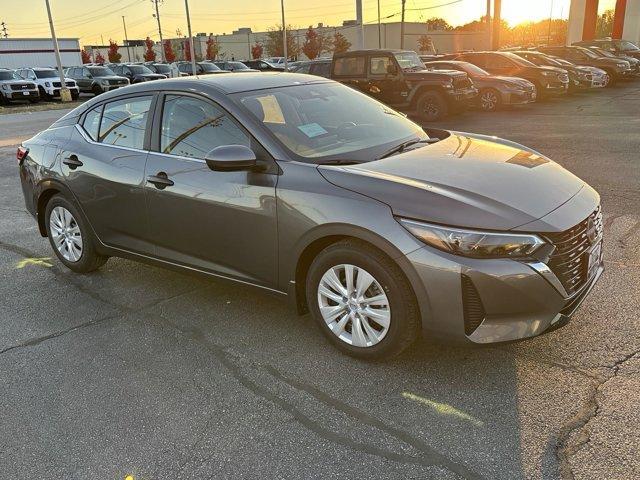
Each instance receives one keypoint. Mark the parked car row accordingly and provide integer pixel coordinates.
(433, 86)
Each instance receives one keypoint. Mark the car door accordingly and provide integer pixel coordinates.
(103, 165)
(385, 80)
(499, 65)
(83, 78)
(222, 222)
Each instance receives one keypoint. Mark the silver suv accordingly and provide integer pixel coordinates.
(12, 87)
(48, 82)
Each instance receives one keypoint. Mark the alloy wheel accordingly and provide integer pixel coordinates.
(431, 110)
(66, 234)
(489, 101)
(354, 305)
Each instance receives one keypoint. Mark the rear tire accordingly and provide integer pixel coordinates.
(70, 236)
(431, 106)
(388, 299)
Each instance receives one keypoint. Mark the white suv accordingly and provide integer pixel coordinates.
(48, 82)
(12, 87)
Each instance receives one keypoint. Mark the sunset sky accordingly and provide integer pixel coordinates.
(95, 20)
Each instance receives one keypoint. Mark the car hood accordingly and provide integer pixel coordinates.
(511, 80)
(442, 74)
(152, 76)
(464, 180)
(110, 77)
(18, 82)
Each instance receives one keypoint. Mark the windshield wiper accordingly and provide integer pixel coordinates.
(403, 146)
(338, 161)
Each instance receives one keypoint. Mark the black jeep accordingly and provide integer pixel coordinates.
(400, 79)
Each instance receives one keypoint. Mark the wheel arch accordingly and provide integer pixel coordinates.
(417, 93)
(47, 190)
(321, 238)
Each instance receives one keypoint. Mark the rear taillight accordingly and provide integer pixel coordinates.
(21, 154)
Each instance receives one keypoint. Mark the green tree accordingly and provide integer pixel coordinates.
(604, 24)
(436, 23)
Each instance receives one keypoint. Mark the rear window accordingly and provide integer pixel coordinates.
(349, 66)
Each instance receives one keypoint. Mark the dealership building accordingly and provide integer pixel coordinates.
(38, 52)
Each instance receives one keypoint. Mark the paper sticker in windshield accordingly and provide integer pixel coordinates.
(312, 130)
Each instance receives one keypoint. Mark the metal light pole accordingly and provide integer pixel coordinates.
(194, 69)
(284, 38)
(65, 93)
(488, 19)
(404, 2)
(126, 39)
(359, 27)
(379, 35)
(550, 17)
(159, 31)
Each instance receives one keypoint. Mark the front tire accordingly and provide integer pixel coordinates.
(96, 90)
(70, 236)
(362, 301)
(431, 106)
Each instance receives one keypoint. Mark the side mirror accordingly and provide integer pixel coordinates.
(392, 69)
(228, 158)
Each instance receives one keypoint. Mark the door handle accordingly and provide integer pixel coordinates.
(160, 180)
(72, 162)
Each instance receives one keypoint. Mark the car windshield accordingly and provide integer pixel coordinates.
(101, 71)
(519, 60)
(409, 61)
(588, 52)
(604, 53)
(329, 121)
(473, 70)
(238, 66)
(628, 46)
(139, 69)
(162, 68)
(209, 67)
(8, 75)
(46, 73)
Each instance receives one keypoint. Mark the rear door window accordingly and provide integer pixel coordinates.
(349, 67)
(379, 65)
(124, 122)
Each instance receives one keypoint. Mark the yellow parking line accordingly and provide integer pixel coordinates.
(43, 262)
(443, 408)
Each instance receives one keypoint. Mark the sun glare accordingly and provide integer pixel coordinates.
(518, 11)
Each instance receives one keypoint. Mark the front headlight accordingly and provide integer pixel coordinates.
(104, 82)
(549, 74)
(474, 243)
(47, 84)
(447, 85)
(5, 86)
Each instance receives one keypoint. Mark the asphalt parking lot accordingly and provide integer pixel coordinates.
(134, 370)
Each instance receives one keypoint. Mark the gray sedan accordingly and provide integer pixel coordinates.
(306, 188)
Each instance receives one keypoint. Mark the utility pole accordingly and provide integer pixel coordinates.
(404, 2)
(359, 27)
(126, 39)
(379, 34)
(284, 38)
(249, 45)
(550, 17)
(65, 93)
(4, 30)
(497, 23)
(194, 69)
(488, 20)
(159, 29)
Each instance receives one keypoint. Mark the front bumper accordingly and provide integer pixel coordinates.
(463, 96)
(517, 300)
(519, 97)
(557, 87)
(55, 91)
(21, 94)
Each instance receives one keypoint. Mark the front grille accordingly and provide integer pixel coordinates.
(461, 82)
(473, 309)
(570, 260)
(21, 86)
(70, 84)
